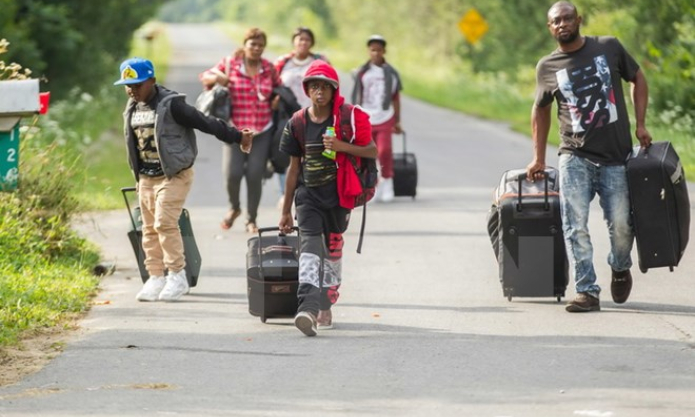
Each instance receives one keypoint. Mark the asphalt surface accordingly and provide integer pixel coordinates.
(421, 328)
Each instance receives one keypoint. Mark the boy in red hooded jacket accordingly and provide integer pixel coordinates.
(323, 189)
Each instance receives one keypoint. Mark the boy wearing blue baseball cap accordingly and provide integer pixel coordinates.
(161, 157)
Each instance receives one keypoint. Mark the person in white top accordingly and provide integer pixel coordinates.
(377, 90)
(292, 67)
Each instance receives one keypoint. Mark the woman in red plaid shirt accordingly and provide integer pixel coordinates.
(251, 80)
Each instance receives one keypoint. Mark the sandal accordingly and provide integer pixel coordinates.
(251, 227)
(228, 220)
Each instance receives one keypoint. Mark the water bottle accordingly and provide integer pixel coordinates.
(330, 154)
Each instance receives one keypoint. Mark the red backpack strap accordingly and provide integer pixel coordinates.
(346, 122)
(282, 61)
(298, 125)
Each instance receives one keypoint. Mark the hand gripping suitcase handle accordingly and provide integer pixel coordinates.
(125, 191)
(274, 229)
(520, 179)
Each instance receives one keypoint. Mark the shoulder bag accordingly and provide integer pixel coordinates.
(216, 101)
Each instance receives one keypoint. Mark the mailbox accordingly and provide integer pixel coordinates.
(18, 98)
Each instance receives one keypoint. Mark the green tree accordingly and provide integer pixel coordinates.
(72, 43)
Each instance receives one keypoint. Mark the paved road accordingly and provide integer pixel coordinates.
(422, 328)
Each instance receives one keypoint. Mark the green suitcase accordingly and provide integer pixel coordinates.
(190, 248)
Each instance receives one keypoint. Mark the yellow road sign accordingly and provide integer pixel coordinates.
(473, 26)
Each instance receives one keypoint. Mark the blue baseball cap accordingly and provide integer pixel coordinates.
(135, 70)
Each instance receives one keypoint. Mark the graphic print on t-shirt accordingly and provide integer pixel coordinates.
(142, 122)
(589, 94)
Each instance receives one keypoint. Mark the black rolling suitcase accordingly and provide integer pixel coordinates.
(660, 205)
(191, 252)
(404, 172)
(531, 249)
(272, 273)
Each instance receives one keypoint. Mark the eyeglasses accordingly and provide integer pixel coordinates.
(319, 86)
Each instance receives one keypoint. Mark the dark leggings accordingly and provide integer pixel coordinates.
(236, 164)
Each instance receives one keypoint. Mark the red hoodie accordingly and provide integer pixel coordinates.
(349, 185)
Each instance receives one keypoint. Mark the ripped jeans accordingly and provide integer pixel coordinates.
(580, 181)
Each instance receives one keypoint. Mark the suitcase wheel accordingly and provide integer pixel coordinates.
(559, 298)
(644, 270)
(263, 319)
(509, 297)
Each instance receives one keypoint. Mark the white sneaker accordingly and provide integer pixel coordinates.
(387, 194)
(151, 289)
(176, 286)
(306, 323)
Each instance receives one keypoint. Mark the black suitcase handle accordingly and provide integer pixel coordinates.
(260, 251)
(260, 246)
(125, 191)
(546, 205)
(405, 150)
(274, 229)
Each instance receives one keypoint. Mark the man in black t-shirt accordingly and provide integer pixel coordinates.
(583, 75)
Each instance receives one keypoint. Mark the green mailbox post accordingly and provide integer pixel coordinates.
(9, 163)
(18, 98)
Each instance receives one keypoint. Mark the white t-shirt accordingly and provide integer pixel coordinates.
(292, 75)
(373, 93)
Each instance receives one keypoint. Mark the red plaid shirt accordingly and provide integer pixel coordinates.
(250, 95)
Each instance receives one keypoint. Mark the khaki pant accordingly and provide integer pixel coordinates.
(161, 202)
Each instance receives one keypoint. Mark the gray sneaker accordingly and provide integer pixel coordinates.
(583, 303)
(176, 286)
(306, 323)
(151, 290)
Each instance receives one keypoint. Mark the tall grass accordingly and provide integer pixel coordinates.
(44, 266)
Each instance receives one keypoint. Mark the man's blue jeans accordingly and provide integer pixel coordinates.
(580, 181)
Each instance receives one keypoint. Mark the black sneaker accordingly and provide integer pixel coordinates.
(621, 285)
(582, 303)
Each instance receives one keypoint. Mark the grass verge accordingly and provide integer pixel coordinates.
(44, 265)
